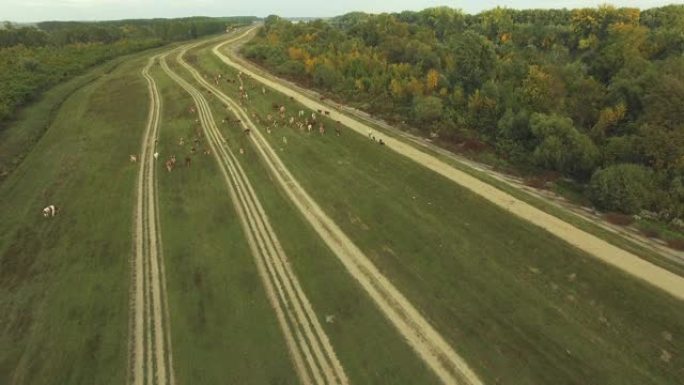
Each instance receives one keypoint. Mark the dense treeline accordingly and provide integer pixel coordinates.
(592, 94)
(35, 58)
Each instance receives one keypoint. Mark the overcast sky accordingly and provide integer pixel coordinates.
(38, 10)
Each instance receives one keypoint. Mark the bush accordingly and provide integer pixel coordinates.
(536, 182)
(677, 244)
(619, 219)
(622, 149)
(427, 108)
(264, 53)
(561, 146)
(326, 76)
(626, 188)
(650, 233)
(291, 68)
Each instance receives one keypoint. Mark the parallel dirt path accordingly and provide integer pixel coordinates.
(313, 355)
(150, 360)
(591, 244)
(421, 336)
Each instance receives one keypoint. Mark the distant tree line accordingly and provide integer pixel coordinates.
(35, 58)
(595, 95)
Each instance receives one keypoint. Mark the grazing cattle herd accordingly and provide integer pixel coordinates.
(300, 120)
(304, 121)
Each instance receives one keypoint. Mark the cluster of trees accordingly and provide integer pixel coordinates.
(593, 94)
(35, 58)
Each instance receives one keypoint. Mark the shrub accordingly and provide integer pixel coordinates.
(677, 244)
(619, 219)
(291, 68)
(650, 232)
(536, 182)
(626, 188)
(561, 146)
(427, 108)
(326, 76)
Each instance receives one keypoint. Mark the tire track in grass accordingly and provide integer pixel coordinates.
(309, 347)
(421, 336)
(150, 357)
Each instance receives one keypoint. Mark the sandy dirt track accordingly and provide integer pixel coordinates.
(591, 244)
(420, 335)
(313, 356)
(150, 358)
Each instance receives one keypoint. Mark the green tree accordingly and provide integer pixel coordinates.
(627, 188)
(482, 113)
(475, 59)
(561, 146)
(326, 76)
(427, 108)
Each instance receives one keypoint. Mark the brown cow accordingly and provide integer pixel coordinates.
(170, 163)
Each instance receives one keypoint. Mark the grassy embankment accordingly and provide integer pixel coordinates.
(64, 281)
(519, 304)
(18, 136)
(368, 347)
(222, 326)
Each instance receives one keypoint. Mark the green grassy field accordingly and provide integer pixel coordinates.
(575, 220)
(368, 347)
(522, 306)
(17, 138)
(223, 329)
(64, 281)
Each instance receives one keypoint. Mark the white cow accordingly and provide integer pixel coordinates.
(49, 211)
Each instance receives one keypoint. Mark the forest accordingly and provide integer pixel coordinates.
(592, 96)
(33, 59)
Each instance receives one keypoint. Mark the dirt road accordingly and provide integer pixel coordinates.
(626, 261)
(421, 336)
(313, 356)
(151, 360)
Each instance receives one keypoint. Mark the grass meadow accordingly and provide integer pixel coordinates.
(369, 348)
(64, 281)
(522, 306)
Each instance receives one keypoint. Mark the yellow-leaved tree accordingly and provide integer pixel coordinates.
(431, 80)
